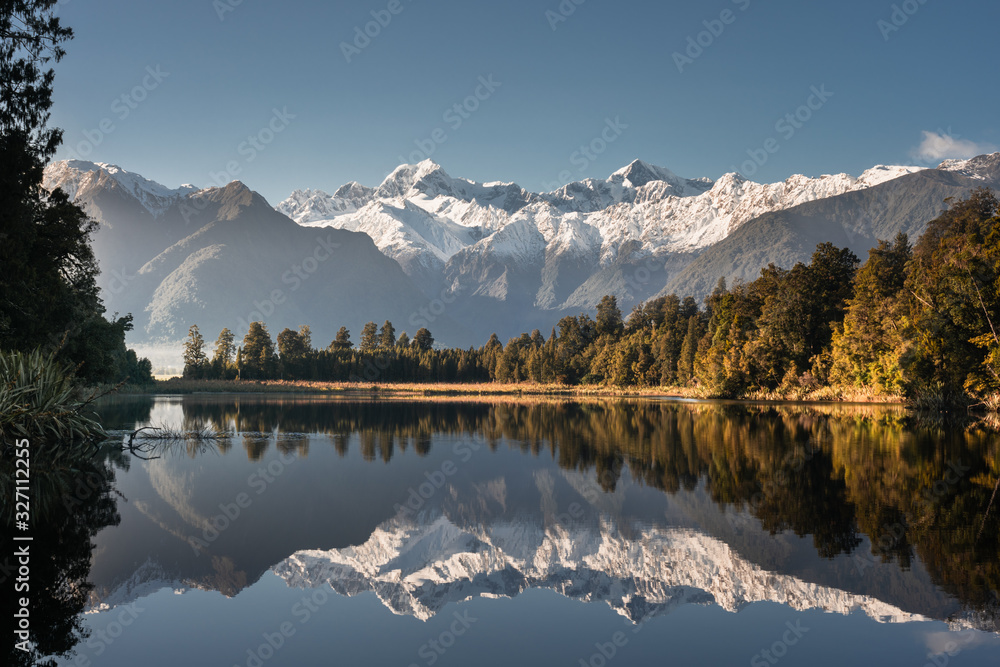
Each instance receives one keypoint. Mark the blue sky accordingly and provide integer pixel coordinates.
(267, 92)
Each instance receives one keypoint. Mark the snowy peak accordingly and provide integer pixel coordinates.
(309, 206)
(453, 232)
(74, 175)
(883, 173)
(352, 191)
(640, 173)
(417, 567)
(427, 178)
(981, 168)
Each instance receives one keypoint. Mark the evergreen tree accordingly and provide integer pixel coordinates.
(195, 361)
(48, 289)
(225, 352)
(953, 301)
(423, 340)
(689, 348)
(403, 341)
(259, 362)
(293, 352)
(609, 317)
(387, 337)
(342, 341)
(305, 333)
(369, 337)
(868, 346)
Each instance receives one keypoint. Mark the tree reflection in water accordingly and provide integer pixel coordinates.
(915, 487)
(68, 507)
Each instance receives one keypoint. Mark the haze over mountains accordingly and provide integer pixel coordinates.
(466, 259)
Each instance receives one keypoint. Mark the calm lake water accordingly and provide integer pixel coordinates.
(502, 532)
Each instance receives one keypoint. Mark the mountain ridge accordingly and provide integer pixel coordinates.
(504, 259)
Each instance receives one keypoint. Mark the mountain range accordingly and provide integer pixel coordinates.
(467, 259)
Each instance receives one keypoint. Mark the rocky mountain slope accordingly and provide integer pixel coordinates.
(223, 257)
(855, 219)
(468, 259)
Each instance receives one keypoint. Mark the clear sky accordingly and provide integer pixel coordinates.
(287, 95)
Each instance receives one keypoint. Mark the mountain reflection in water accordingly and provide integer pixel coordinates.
(671, 502)
(647, 507)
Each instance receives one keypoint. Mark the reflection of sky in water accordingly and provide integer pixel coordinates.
(167, 412)
(325, 509)
(536, 628)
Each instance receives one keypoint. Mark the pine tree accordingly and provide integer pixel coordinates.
(689, 348)
(48, 272)
(195, 361)
(423, 340)
(305, 333)
(259, 362)
(387, 337)
(225, 351)
(342, 341)
(609, 317)
(369, 337)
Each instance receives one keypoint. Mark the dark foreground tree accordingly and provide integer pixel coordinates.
(48, 290)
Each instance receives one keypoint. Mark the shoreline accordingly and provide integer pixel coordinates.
(409, 389)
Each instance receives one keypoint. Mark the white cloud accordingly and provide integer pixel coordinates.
(953, 643)
(936, 147)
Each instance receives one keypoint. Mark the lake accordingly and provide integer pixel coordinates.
(459, 531)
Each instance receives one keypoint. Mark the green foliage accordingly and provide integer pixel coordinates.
(369, 337)
(38, 401)
(342, 341)
(952, 301)
(387, 336)
(48, 290)
(258, 360)
(916, 321)
(609, 317)
(423, 340)
(224, 358)
(866, 349)
(195, 361)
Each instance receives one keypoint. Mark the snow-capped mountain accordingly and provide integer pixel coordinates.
(76, 175)
(422, 217)
(976, 168)
(558, 251)
(222, 257)
(506, 260)
(416, 567)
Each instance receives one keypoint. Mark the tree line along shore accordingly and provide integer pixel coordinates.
(917, 322)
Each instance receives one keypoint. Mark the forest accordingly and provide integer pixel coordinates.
(916, 320)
